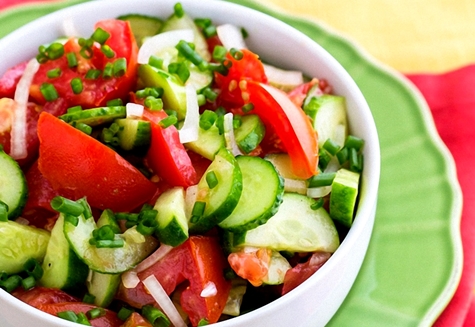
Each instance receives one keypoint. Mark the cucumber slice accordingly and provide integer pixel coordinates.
(250, 134)
(133, 133)
(235, 297)
(296, 227)
(171, 217)
(108, 218)
(220, 200)
(13, 187)
(174, 95)
(61, 266)
(261, 196)
(209, 142)
(95, 116)
(108, 260)
(343, 196)
(328, 113)
(18, 243)
(103, 287)
(142, 25)
(186, 22)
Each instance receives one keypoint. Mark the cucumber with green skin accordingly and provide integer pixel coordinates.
(209, 142)
(250, 134)
(133, 133)
(61, 267)
(220, 200)
(296, 227)
(344, 195)
(261, 196)
(18, 244)
(13, 186)
(103, 287)
(142, 25)
(95, 116)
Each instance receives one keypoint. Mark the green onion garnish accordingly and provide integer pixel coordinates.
(119, 67)
(28, 283)
(96, 313)
(155, 61)
(178, 10)
(76, 85)
(87, 208)
(68, 315)
(82, 319)
(33, 268)
(11, 283)
(180, 69)
(117, 243)
(203, 322)
(100, 35)
(342, 155)
(331, 147)
(322, 179)
(247, 107)
(190, 54)
(53, 73)
(202, 22)
(93, 74)
(317, 204)
(197, 211)
(107, 51)
(3, 211)
(219, 53)
(104, 233)
(207, 119)
(154, 104)
(167, 122)
(211, 179)
(236, 54)
(155, 316)
(147, 225)
(323, 159)
(210, 31)
(73, 220)
(124, 313)
(356, 160)
(67, 206)
(49, 92)
(72, 60)
(54, 50)
(354, 142)
(237, 121)
(108, 70)
(88, 298)
(209, 94)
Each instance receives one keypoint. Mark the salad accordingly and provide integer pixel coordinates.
(160, 173)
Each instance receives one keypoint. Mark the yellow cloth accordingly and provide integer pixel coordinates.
(412, 36)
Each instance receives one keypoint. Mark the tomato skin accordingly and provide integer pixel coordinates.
(110, 318)
(136, 320)
(98, 91)
(299, 94)
(39, 295)
(167, 157)
(252, 266)
(290, 124)
(198, 260)
(86, 167)
(302, 271)
(10, 79)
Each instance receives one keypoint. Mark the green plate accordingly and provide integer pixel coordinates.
(414, 261)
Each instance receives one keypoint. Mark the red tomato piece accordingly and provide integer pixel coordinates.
(110, 318)
(73, 161)
(10, 79)
(252, 266)
(96, 92)
(167, 157)
(302, 271)
(38, 296)
(299, 94)
(136, 320)
(199, 260)
(290, 124)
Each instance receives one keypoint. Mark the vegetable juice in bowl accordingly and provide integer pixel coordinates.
(201, 183)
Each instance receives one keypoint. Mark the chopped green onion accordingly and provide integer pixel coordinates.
(201, 99)
(28, 283)
(68, 315)
(211, 179)
(86, 129)
(88, 298)
(342, 155)
(86, 52)
(3, 276)
(72, 60)
(236, 54)
(54, 51)
(85, 43)
(153, 103)
(210, 31)
(11, 283)
(197, 211)
(107, 51)
(49, 92)
(104, 233)
(124, 313)
(167, 122)
(331, 147)
(155, 316)
(356, 160)
(87, 208)
(180, 69)
(207, 119)
(237, 121)
(119, 67)
(219, 53)
(317, 204)
(3, 211)
(171, 112)
(209, 94)
(178, 10)
(117, 243)
(247, 107)
(155, 61)
(82, 319)
(67, 206)
(73, 220)
(322, 179)
(70, 110)
(41, 58)
(96, 313)
(76, 85)
(108, 70)
(190, 54)
(147, 226)
(222, 68)
(93, 74)
(203, 322)
(100, 35)
(53, 73)
(354, 142)
(323, 159)
(202, 22)
(33, 268)
(115, 102)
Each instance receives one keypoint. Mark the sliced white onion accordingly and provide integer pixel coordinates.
(153, 258)
(191, 194)
(319, 192)
(134, 110)
(163, 300)
(231, 144)
(332, 166)
(22, 221)
(209, 290)
(157, 43)
(130, 279)
(339, 136)
(295, 186)
(231, 36)
(18, 132)
(280, 77)
(189, 130)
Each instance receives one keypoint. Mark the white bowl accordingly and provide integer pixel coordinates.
(315, 301)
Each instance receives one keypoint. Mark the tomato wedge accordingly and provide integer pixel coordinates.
(39, 295)
(86, 167)
(200, 261)
(167, 157)
(290, 124)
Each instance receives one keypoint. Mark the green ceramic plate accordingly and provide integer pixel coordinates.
(414, 260)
